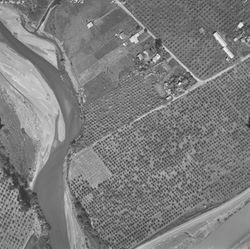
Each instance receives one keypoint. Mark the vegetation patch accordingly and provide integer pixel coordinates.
(99, 87)
(90, 168)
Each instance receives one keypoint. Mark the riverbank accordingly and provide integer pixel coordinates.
(64, 63)
(10, 17)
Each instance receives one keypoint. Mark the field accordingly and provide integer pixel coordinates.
(92, 51)
(169, 165)
(186, 27)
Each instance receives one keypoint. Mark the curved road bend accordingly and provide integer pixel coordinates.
(49, 184)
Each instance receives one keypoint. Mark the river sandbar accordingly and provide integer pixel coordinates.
(25, 80)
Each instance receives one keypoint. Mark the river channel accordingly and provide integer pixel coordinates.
(50, 183)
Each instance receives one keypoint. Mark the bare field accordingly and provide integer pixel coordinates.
(186, 28)
(172, 163)
(95, 52)
(68, 22)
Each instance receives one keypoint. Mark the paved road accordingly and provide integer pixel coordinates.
(184, 227)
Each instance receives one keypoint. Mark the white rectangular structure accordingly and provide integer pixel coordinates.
(240, 25)
(228, 52)
(219, 39)
(156, 58)
(90, 25)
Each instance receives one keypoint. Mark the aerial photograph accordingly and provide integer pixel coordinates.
(124, 124)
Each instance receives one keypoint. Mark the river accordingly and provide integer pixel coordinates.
(49, 185)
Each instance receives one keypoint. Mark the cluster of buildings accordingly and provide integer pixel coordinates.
(146, 59)
(126, 39)
(176, 85)
(148, 56)
(129, 39)
(242, 33)
(170, 85)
